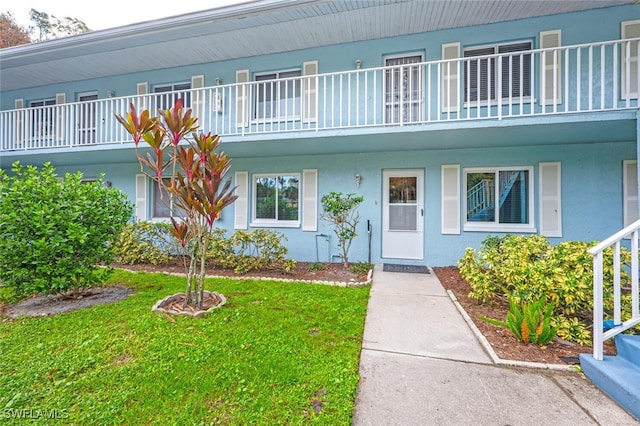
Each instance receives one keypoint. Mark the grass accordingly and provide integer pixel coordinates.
(277, 353)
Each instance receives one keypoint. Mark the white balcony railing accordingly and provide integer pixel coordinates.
(620, 319)
(570, 79)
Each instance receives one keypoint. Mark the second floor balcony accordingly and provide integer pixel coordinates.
(518, 82)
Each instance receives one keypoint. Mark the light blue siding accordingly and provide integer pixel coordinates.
(590, 148)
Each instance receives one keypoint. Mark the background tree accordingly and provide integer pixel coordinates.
(12, 34)
(47, 27)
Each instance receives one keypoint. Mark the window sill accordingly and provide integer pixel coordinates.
(275, 224)
(527, 229)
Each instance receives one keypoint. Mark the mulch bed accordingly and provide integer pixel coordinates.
(502, 340)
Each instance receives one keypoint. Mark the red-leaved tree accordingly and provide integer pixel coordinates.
(192, 176)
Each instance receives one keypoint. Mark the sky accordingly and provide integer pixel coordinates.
(100, 15)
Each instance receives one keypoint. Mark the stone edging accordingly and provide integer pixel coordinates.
(197, 314)
(492, 354)
(331, 283)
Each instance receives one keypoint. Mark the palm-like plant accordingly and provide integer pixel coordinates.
(198, 188)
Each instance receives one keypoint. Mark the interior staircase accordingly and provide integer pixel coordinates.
(618, 376)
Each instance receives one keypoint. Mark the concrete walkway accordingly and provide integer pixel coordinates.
(421, 364)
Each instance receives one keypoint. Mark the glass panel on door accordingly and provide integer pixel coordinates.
(403, 203)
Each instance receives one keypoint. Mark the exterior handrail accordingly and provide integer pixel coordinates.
(618, 326)
(580, 78)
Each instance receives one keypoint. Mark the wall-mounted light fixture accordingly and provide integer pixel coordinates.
(358, 64)
(218, 81)
(111, 93)
(358, 179)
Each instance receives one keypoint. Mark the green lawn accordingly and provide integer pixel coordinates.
(275, 354)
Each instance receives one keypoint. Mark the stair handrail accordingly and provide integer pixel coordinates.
(632, 231)
(476, 197)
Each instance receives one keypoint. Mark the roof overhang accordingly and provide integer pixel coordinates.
(251, 29)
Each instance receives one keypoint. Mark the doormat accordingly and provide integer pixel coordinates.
(411, 269)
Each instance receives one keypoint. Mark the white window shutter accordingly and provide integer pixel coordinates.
(19, 104)
(630, 192)
(197, 99)
(450, 78)
(142, 89)
(550, 200)
(551, 68)
(629, 60)
(141, 197)
(310, 200)
(450, 213)
(242, 203)
(242, 98)
(61, 98)
(310, 90)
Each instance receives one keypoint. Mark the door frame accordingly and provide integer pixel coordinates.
(402, 244)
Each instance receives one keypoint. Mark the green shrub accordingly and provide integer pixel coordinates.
(529, 322)
(316, 266)
(145, 242)
(220, 251)
(528, 268)
(54, 233)
(361, 268)
(247, 251)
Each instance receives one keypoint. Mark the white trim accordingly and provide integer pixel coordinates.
(142, 88)
(242, 92)
(197, 98)
(496, 226)
(550, 189)
(450, 81)
(627, 30)
(403, 243)
(629, 192)
(61, 99)
(275, 223)
(310, 200)
(142, 190)
(450, 203)
(240, 205)
(310, 91)
(549, 70)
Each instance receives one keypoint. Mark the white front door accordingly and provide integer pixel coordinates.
(402, 214)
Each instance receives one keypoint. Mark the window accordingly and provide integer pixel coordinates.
(276, 199)
(170, 94)
(278, 95)
(403, 89)
(499, 199)
(482, 76)
(42, 118)
(162, 201)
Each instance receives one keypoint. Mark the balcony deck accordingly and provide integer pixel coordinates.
(524, 86)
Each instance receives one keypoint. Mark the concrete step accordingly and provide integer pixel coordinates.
(628, 347)
(617, 377)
